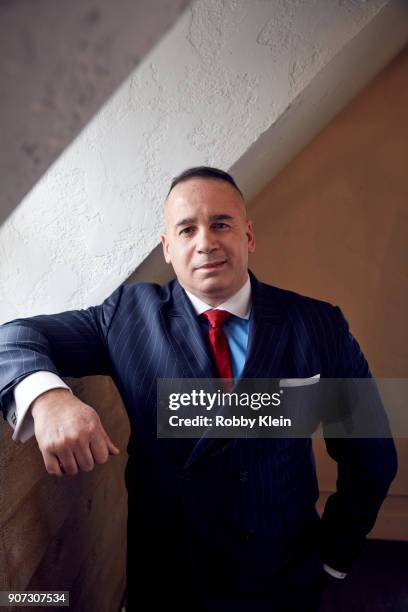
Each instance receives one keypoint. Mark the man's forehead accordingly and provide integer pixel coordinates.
(203, 196)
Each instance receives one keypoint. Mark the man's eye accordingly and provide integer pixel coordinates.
(220, 226)
(187, 230)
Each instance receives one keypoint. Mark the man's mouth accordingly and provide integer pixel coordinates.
(212, 265)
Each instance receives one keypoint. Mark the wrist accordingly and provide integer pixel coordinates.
(43, 400)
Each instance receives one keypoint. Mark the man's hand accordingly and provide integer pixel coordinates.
(69, 433)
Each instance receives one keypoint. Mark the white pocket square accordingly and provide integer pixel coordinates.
(299, 382)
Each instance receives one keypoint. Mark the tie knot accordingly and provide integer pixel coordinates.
(216, 318)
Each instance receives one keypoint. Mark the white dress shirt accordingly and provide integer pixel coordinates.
(239, 304)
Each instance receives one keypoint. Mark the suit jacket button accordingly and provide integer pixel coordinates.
(248, 534)
(243, 476)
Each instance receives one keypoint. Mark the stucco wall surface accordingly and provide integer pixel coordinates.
(59, 62)
(220, 78)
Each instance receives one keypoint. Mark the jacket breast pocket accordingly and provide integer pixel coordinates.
(301, 403)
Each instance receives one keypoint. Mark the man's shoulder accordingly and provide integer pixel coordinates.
(292, 301)
(143, 293)
(145, 299)
(306, 315)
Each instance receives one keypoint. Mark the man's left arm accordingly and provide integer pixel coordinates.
(366, 468)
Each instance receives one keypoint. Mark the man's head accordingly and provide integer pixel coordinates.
(207, 234)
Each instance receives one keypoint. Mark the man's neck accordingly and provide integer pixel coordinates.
(213, 301)
(239, 303)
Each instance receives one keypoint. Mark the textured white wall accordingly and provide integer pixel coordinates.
(219, 79)
(59, 62)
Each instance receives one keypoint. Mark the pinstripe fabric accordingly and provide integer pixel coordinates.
(237, 487)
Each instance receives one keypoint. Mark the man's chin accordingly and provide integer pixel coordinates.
(212, 288)
(212, 279)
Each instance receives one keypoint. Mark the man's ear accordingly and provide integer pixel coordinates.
(165, 245)
(251, 237)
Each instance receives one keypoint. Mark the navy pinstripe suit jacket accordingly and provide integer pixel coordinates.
(239, 509)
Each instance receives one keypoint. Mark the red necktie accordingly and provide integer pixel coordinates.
(218, 343)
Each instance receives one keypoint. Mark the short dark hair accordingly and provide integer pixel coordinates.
(204, 172)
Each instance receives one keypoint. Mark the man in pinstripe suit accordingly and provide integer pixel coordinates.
(213, 525)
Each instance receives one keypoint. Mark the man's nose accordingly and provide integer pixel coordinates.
(206, 241)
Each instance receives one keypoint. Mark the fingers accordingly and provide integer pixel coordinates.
(58, 466)
(84, 458)
(52, 464)
(72, 439)
(113, 450)
(81, 457)
(67, 463)
(99, 449)
(102, 446)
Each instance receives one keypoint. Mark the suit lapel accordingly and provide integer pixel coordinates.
(268, 336)
(267, 342)
(184, 334)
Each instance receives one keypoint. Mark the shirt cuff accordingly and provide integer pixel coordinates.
(333, 572)
(25, 393)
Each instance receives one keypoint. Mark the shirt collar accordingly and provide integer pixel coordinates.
(238, 304)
